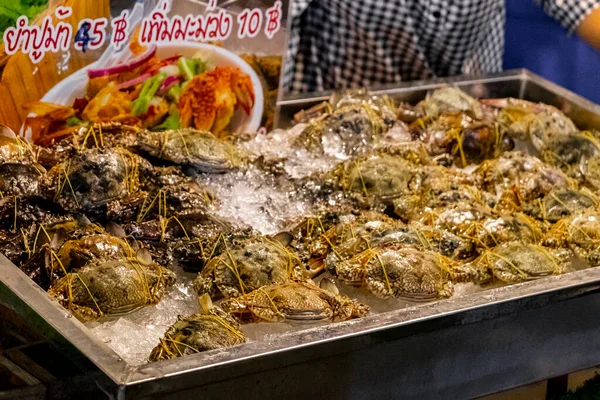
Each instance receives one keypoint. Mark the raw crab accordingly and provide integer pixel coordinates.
(508, 228)
(439, 193)
(380, 179)
(189, 147)
(21, 180)
(210, 99)
(307, 237)
(247, 266)
(194, 253)
(426, 237)
(357, 119)
(518, 262)
(296, 302)
(561, 203)
(538, 123)
(347, 239)
(469, 141)
(208, 330)
(347, 125)
(580, 232)
(462, 218)
(112, 287)
(404, 272)
(578, 155)
(526, 176)
(59, 257)
(95, 177)
(450, 100)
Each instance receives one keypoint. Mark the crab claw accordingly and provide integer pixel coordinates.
(242, 87)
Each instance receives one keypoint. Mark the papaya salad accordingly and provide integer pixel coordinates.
(152, 93)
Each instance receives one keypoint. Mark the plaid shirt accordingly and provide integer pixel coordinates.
(336, 44)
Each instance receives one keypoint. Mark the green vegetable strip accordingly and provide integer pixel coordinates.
(172, 121)
(175, 92)
(187, 68)
(200, 66)
(74, 121)
(151, 86)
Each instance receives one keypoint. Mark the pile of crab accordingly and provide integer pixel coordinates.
(413, 201)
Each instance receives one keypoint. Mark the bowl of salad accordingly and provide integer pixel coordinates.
(162, 87)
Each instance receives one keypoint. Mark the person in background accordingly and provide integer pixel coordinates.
(338, 44)
(537, 42)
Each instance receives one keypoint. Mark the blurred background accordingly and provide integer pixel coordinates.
(538, 43)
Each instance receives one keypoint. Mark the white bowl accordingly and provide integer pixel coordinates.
(73, 87)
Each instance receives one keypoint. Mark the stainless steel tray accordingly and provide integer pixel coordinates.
(463, 347)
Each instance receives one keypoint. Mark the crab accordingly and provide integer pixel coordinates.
(350, 239)
(450, 100)
(508, 228)
(210, 99)
(379, 179)
(22, 180)
(541, 124)
(440, 193)
(113, 287)
(561, 203)
(526, 176)
(59, 257)
(408, 273)
(518, 262)
(170, 197)
(467, 140)
(307, 239)
(461, 219)
(194, 253)
(357, 119)
(19, 214)
(578, 154)
(210, 329)
(93, 178)
(579, 232)
(426, 237)
(346, 126)
(190, 147)
(247, 266)
(296, 302)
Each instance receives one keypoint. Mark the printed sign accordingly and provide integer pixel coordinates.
(158, 64)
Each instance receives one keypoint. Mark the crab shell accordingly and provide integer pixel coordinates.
(529, 176)
(95, 177)
(541, 124)
(409, 273)
(518, 262)
(248, 266)
(381, 178)
(199, 149)
(580, 232)
(112, 287)
(562, 203)
(294, 301)
(509, 228)
(197, 333)
(450, 100)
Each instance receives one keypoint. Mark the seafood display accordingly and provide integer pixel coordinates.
(363, 202)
